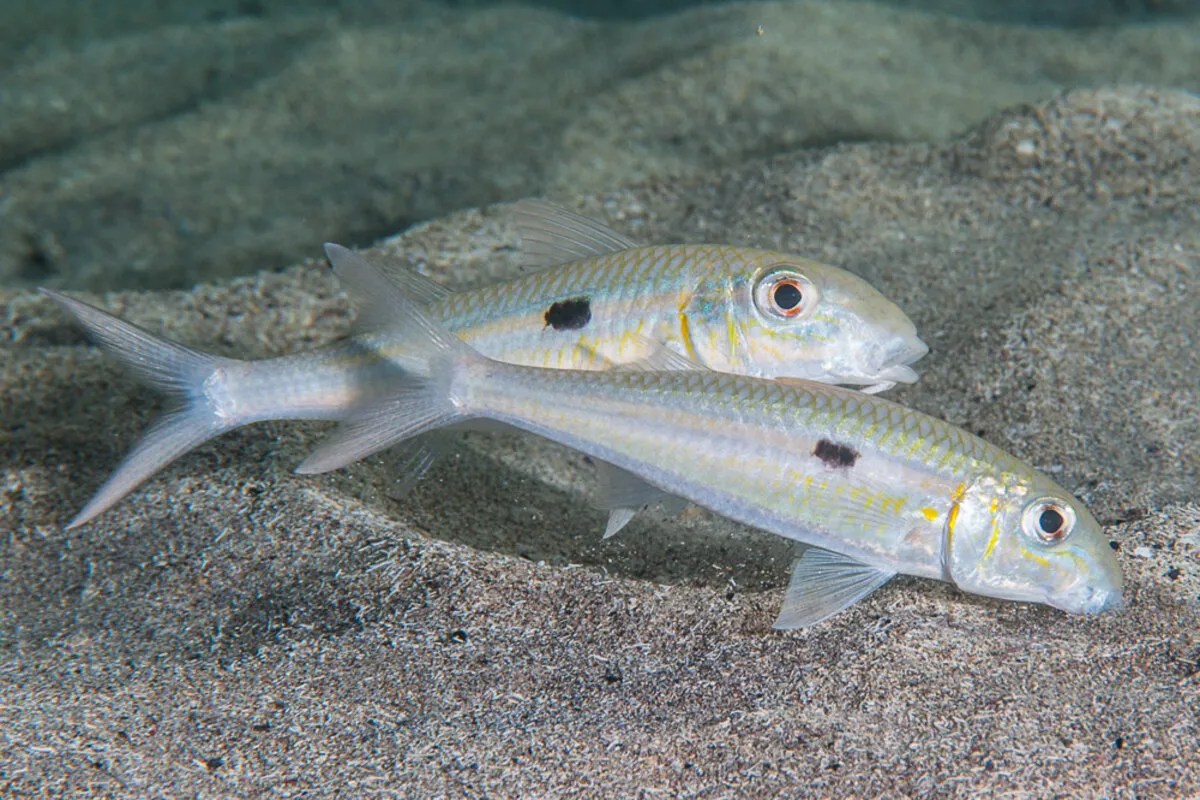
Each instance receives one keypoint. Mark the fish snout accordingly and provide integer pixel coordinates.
(1088, 600)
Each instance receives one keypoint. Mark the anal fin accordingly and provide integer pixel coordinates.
(824, 583)
(618, 518)
(413, 458)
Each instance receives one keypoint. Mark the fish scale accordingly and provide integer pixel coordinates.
(641, 285)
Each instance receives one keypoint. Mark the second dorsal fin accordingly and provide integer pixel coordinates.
(414, 286)
(552, 235)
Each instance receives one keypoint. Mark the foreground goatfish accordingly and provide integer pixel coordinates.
(727, 308)
(871, 488)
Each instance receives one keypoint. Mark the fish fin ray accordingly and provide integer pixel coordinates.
(157, 362)
(623, 494)
(552, 235)
(425, 352)
(618, 518)
(413, 407)
(385, 304)
(173, 369)
(658, 358)
(413, 459)
(620, 488)
(824, 583)
(168, 438)
(419, 288)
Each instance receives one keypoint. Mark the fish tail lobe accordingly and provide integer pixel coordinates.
(175, 370)
(428, 358)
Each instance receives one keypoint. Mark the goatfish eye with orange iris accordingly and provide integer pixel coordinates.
(1048, 521)
(785, 294)
(851, 334)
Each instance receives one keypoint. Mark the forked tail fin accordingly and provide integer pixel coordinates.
(173, 369)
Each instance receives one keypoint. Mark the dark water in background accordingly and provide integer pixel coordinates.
(158, 144)
(68, 21)
(1025, 12)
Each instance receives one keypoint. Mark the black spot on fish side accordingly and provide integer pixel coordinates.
(835, 455)
(569, 315)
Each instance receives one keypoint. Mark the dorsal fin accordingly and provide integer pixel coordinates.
(410, 283)
(552, 235)
(420, 288)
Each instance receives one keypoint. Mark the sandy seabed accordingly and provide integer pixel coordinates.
(234, 629)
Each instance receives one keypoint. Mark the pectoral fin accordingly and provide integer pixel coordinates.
(657, 357)
(654, 357)
(824, 583)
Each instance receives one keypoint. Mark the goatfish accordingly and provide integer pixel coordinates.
(868, 488)
(597, 298)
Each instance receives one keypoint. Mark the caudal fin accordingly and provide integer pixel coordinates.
(171, 368)
(425, 352)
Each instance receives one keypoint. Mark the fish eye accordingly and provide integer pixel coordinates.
(785, 294)
(1048, 521)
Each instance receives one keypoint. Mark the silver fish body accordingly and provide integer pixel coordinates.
(872, 488)
(711, 304)
(601, 300)
(613, 308)
(861, 476)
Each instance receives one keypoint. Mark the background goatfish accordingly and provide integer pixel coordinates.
(871, 488)
(727, 308)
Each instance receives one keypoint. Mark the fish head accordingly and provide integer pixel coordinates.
(1030, 540)
(788, 317)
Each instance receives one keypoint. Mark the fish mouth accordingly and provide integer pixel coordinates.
(894, 365)
(1088, 600)
(898, 373)
(904, 351)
